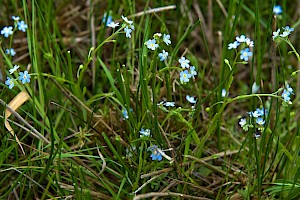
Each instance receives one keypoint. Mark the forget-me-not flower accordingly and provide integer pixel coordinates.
(145, 132)
(128, 31)
(185, 76)
(7, 31)
(276, 34)
(260, 121)
(287, 31)
(233, 45)
(223, 93)
(193, 72)
(163, 55)
(277, 10)
(15, 18)
(10, 51)
(184, 62)
(156, 155)
(169, 103)
(286, 95)
(24, 77)
(22, 26)
(15, 68)
(166, 39)
(243, 122)
(10, 83)
(190, 99)
(107, 18)
(245, 53)
(151, 44)
(113, 24)
(240, 39)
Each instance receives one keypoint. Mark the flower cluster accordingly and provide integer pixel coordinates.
(153, 44)
(145, 132)
(24, 77)
(245, 43)
(277, 37)
(129, 27)
(256, 116)
(287, 93)
(189, 71)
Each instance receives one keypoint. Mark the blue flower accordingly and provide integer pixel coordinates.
(169, 104)
(10, 82)
(240, 39)
(243, 122)
(155, 153)
(10, 51)
(190, 99)
(15, 68)
(287, 31)
(127, 32)
(261, 112)
(277, 10)
(276, 34)
(107, 18)
(286, 95)
(145, 132)
(15, 18)
(289, 89)
(184, 62)
(260, 121)
(185, 76)
(7, 31)
(151, 44)
(245, 54)
(113, 24)
(125, 113)
(233, 45)
(163, 56)
(24, 77)
(193, 72)
(166, 39)
(22, 26)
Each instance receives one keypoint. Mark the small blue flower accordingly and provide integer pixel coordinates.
(166, 39)
(10, 51)
(289, 89)
(24, 77)
(15, 18)
(243, 122)
(286, 95)
(163, 55)
(287, 31)
(10, 83)
(155, 153)
(190, 99)
(127, 32)
(245, 54)
(260, 121)
(7, 31)
(184, 62)
(169, 104)
(125, 113)
(250, 114)
(113, 24)
(233, 45)
(261, 112)
(277, 10)
(106, 18)
(276, 34)
(240, 39)
(145, 132)
(185, 76)
(151, 44)
(15, 68)
(22, 26)
(193, 72)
